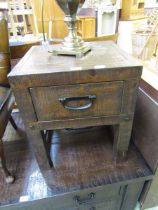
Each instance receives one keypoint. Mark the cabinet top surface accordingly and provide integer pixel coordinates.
(104, 55)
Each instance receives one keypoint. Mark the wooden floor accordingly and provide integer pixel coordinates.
(82, 159)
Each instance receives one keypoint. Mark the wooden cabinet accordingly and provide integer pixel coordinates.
(125, 201)
(132, 9)
(86, 27)
(4, 49)
(58, 92)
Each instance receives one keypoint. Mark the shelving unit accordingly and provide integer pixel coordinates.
(22, 18)
(107, 20)
(107, 17)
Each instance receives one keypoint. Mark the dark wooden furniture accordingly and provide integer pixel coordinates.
(55, 92)
(85, 177)
(6, 96)
(145, 136)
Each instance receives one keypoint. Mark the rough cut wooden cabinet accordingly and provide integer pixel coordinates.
(56, 92)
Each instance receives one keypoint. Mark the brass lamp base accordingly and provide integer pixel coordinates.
(73, 52)
(73, 44)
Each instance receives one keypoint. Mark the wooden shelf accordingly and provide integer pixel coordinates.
(21, 14)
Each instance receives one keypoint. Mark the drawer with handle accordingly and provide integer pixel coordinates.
(111, 204)
(77, 101)
(96, 198)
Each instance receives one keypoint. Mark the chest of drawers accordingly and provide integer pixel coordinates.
(56, 92)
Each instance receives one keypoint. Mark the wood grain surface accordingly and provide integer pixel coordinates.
(40, 79)
(108, 100)
(82, 166)
(106, 62)
(145, 134)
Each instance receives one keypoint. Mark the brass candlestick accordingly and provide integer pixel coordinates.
(73, 44)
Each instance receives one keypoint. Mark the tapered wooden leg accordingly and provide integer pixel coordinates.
(47, 143)
(13, 123)
(40, 149)
(115, 143)
(8, 177)
(122, 136)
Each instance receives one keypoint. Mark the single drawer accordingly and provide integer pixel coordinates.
(77, 101)
(96, 198)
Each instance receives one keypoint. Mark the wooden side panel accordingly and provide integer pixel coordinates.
(126, 7)
(145, 136)
(148, 197)
(129, 95)
(86, 27)
(132, 193)
(145, 132)
(4, 50)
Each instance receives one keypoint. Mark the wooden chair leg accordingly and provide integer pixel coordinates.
(13, 123)
(8, 177)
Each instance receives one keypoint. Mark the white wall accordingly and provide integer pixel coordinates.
(151, 3)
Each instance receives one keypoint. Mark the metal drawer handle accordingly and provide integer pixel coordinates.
(92, 208)
(65, 100)
(80, 201)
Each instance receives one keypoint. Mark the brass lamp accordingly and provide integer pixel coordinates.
(73, 44)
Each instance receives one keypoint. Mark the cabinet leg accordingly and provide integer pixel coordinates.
(40, 149)
(8, 177)
(122, 136)
(47, 142)
(13, 123)
(115, 142)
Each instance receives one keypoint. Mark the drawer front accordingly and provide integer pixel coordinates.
(77, 101)
(92, 198)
